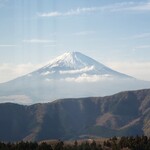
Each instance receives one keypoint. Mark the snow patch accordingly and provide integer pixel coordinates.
(89, 78)
(74, 66)
(47, 72)
(74, 60)
(85, 69)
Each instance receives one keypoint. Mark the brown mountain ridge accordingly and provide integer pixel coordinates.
(123, 114)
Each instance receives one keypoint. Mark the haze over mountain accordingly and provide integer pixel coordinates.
(70, 75)
(122, 114)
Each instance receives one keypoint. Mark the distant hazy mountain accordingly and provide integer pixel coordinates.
(69, 75)
(126, 113)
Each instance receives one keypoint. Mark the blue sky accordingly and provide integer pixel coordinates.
(114, 32)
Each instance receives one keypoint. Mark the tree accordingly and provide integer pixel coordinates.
(59, 145)
(44, 146)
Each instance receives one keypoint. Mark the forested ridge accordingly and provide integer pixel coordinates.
(114, 143)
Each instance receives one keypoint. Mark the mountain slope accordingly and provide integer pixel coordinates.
(126, 113)
(75, 64)
(69, 75)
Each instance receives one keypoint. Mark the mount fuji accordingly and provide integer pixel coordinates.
(72, 74)
(74, 65)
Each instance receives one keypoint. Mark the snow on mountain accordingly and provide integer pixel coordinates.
(76, 66)
(69, 75)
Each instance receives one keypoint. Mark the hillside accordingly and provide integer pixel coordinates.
(125, 113)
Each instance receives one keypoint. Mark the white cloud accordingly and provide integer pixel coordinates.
(141, 7)
(68, 13)
(127, 6)
(20, 99)
(5, 45)
(139, 70)
(11, 71)
(118, 7)
(80, 10)
(93, 78)
(84, 78)
(51, 14)
(38, 41)
(141, 36)
(142, 47)
(85, 69)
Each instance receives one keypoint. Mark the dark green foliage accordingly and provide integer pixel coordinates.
(130, 143)
(19, 146)
(44, 146)
(25, 146)
(133, 143)
(59, 146)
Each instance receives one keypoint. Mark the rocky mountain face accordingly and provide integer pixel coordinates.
(126, 113)
(70, 75)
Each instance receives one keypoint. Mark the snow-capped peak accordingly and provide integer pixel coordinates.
(69, 59)
(73, 60)
(76, 64)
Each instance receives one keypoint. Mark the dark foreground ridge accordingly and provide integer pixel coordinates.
(123, 143)
(122, 114)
